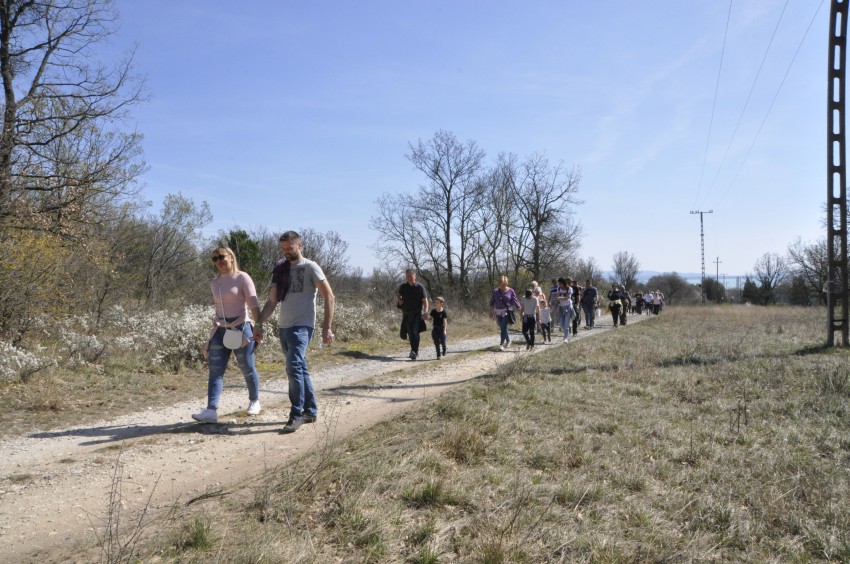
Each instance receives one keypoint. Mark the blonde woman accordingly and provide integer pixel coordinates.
(233, 292)
(503, 306)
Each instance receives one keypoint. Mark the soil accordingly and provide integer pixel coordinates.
(54, 485)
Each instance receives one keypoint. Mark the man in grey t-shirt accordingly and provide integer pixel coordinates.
(294, 284)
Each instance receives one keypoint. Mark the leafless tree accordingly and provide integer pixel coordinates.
(770, 271)
(626, 268)
(588, 269)
(327, 249)
(543, 195)
(59, 161)
(812, 264)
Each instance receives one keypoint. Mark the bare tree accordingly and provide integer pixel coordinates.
(58, 162)
(626, 268)
(543, 195)
(588, 269)
(812, 264)
(328, 250)
(770, 271)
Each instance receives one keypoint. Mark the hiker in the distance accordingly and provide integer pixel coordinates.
(589, 300)
(233, 293)
(294, 284)
(503, 306)
(565, 306)
(413, 302)
(616, 303)
(577, 290)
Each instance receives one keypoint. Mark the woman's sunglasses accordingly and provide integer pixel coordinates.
(217, 258)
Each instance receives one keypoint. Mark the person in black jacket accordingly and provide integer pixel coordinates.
(413, 302)
(616, 303)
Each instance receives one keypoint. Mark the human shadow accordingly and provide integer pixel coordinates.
(117, 433)
(360, 355)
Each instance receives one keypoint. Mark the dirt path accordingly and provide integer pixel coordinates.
(54, 485)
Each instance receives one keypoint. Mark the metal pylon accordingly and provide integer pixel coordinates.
(836, 214)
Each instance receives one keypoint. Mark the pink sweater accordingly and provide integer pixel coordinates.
(238, 294)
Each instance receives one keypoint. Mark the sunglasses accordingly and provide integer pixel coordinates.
(217, 258)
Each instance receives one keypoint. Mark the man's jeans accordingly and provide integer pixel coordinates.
(412, 321)
(293, 342)
(566, 317)
(220, 355)
(589, 312)
(503, 328)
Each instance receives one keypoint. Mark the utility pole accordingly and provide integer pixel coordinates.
(702, 248)
(836, 183)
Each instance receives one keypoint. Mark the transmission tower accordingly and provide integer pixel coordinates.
(702, 248)
(836, 227)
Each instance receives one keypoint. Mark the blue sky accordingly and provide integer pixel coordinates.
(293, 114)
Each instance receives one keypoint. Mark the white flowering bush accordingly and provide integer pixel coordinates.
(18, 364)
(352, 323)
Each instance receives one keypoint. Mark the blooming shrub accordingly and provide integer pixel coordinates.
(18, 364)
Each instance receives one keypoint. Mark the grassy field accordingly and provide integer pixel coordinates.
(705, 434)
(58, 397)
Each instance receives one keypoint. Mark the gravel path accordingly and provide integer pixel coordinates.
(54, 484)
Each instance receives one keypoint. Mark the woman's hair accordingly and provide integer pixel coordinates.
(503, 279)
(528, 293)
(227, 250)
(534, 284)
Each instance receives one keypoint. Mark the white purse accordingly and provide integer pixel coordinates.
(232, 337)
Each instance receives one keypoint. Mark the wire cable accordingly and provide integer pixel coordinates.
(741, 117)
(714, 104)
(771, 104)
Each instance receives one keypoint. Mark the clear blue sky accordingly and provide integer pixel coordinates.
(291, 114)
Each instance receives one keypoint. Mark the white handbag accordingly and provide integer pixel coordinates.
(232, 337)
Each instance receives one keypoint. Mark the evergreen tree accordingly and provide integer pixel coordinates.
(751, 292)
(248, 255)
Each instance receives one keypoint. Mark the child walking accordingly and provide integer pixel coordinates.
(545, 320)
(441, 322)
(530, 317)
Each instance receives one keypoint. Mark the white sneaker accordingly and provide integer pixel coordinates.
(206, 416)
(566, 339)
(254, 408)
(508, 345)
(501, 347)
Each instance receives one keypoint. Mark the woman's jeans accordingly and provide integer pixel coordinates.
(219, 357)
(566, 317)
(503, 326)
(529, 325)
(293, 342)
(588, 314)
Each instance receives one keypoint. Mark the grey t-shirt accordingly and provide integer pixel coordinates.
(298, 308)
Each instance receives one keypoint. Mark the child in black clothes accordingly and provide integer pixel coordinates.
(441, 322)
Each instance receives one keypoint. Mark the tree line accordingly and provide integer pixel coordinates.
(471, 221)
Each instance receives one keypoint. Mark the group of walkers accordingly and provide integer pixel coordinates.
(295, 282)
(563, 308)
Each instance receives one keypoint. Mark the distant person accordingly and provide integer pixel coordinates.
(233, 293)
(545, 320)
(553, 300)
(413, 302)
(530, 309)
(616, 303)
(657, 300)
(566, 311)
(294, 284)
(440, 321)
(577, 290)
(503, 306)
(589, 301)
(639, 302)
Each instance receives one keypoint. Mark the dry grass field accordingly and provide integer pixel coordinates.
(706, 434)
(57, 397)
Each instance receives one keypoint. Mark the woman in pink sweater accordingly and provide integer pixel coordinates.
(233, 292)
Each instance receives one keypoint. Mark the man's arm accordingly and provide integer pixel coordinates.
(425, 304)
(328, 294)
(268, 308)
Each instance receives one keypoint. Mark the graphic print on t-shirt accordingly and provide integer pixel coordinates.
(296, 281)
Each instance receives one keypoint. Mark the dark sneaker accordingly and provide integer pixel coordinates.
(310, 418)
(444, 352)
(291, 426)
(413, 355)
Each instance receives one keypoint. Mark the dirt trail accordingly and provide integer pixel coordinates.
(54, 485)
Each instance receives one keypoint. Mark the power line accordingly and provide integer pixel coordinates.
(771, 104)
(741, 117)
(714, 104)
